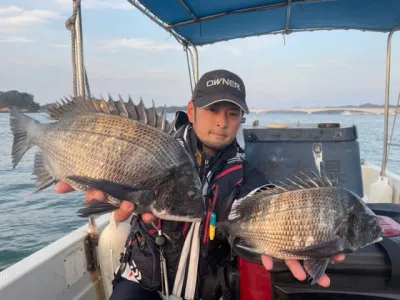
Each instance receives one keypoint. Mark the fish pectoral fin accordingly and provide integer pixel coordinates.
(316, 268)
(242, 248)
(95, 206)
(43, 176)
(120, 191)
(245, 250)
(242, 244)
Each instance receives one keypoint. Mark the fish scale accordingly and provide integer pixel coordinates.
(138, 160)
(116, 169)
(310, 219)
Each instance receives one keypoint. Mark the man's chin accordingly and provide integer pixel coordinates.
(216, 146)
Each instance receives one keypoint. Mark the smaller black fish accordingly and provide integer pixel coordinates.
(309, 219)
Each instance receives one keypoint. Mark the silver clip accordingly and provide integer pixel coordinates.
(164, 275)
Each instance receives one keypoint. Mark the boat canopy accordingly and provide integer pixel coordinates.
(201, 22)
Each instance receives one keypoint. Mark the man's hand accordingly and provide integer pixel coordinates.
(297, 269)
(123, 213)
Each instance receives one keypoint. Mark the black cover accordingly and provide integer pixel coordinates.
(280, 152)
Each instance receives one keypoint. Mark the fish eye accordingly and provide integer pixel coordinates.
(192, 195)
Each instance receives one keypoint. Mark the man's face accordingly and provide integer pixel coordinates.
(216, 125)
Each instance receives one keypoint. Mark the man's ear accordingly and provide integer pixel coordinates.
(190, 111)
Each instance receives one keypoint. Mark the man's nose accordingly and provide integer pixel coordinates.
(222, 120)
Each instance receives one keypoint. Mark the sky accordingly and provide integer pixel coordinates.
(125, 53)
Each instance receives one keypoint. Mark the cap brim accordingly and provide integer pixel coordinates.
(207, 101)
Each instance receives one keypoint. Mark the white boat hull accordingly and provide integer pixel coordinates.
(56, 272)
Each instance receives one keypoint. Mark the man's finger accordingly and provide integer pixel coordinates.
(340, 257)
(267, 262)
(124, 211)
(95, 194)
(324, 281)
(296, 269)
(63, 187)
(148, 217)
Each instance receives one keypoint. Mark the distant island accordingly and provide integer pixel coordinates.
(25, 102)
(21, 100)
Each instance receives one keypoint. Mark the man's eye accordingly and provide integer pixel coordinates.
(234, 114)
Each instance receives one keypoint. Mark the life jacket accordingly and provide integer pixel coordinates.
(221, 176)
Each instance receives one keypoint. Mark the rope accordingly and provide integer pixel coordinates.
(87, 85)
(70, 24)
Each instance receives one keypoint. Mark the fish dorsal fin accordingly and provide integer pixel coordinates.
(294, 182)
(162, 118)
(240, 208)
(301, 180)
(78, 105)
(152, 115)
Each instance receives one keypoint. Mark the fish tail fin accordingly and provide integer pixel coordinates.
(21, 127)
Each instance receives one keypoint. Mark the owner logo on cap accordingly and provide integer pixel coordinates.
(219, 86)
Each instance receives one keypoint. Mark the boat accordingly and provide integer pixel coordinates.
(80, 264)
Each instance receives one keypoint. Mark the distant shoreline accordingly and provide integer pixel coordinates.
(174, 109)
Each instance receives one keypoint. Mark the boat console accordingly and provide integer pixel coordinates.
(283, 150)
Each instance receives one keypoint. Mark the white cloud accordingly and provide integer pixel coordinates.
(96, 4)
(9, 9)
(14, 39)
(140, 44)
(12, 17)
(34, 62)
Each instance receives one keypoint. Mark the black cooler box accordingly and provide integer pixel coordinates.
(370, 273)
(280, 152)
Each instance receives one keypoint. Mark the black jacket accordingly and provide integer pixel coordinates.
(225, 177)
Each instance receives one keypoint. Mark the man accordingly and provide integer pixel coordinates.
(210, 125)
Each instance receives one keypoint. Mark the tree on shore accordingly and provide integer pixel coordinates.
(18, 99)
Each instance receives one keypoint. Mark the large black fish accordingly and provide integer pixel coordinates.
(126, 150)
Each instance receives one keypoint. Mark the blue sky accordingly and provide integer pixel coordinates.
(125, 53)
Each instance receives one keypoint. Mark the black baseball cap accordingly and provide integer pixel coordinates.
(220, 86)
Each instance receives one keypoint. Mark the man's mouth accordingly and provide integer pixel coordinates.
(219, 134)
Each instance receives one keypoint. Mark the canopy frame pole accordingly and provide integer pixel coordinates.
(80, 81)
(288, 15)
(193, 64)
(79, 49)
(387, 87)
(160, 23)
(244, 10)
(188, 10)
